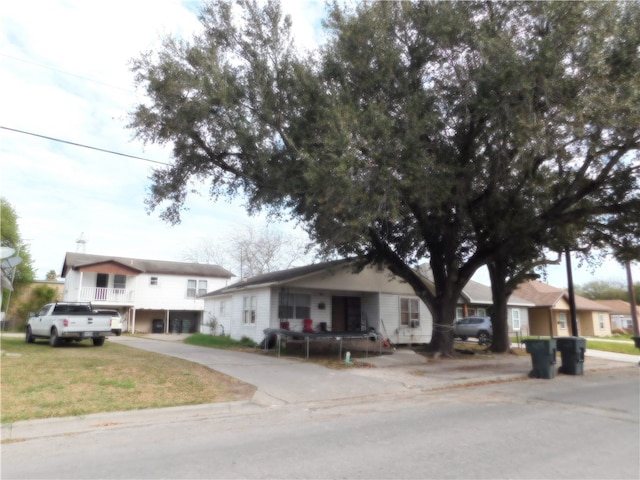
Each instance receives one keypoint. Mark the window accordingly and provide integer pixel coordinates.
(294, 305)
(222, 307)
(408, 310)
(562, 320)
(191, 288)
(195, 288)
(249, 310)
(153, 281)
(601, 320)
(119, 282)
(459, 313)
(515, 319)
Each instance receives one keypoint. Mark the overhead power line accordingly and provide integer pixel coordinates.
(75, 144)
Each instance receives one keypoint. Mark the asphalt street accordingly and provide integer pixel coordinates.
(393, 416)
(569, 427)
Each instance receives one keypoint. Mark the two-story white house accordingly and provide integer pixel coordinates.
(153, 296)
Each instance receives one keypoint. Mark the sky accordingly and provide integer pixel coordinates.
(65, 74)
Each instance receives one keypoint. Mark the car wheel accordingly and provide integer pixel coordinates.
(28, 337)
(98, 342)
(54, 339)
(484, 338)
(463, 338)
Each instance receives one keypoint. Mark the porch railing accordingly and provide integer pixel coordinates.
(111, 295)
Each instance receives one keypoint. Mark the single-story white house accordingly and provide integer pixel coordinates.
(331, 296)
(334, 297)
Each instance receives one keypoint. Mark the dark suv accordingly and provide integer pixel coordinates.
(475, 327)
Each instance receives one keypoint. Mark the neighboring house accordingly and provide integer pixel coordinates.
(331, 295)
(477, 300)
(337, 299)
(620, 314)
(551, 314)
(153, 296)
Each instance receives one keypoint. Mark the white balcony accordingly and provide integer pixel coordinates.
(116, 296)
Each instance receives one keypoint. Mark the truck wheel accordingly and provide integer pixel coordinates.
(98, 342)
(54, 339)
(28, 336)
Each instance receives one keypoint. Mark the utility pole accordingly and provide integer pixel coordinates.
(572, 296)
(632, 300)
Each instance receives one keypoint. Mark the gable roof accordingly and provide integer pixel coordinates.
(479, 294)
(74, 261)
(279, 277)
(544, 295)
(619, 307)
(473, 292)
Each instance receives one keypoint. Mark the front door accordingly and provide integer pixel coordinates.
(102, 282)
(345, 314)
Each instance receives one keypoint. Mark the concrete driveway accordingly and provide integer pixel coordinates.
(285, 381)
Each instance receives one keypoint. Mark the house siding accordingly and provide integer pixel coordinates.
(390, 321)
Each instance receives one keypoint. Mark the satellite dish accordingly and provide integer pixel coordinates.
(6, 284)
(6, 252)
(11, 262)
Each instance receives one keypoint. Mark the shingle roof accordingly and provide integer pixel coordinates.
(279, 276)
(619, 307)
(76, 260)
(543, 295)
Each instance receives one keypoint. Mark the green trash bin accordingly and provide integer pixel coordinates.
(543, 357)
(572, 352)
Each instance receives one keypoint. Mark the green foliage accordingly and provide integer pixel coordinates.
(218, 341)
(458, 133)
(10, 237)
(51, 275)
(37, 298)
(628, 348)
(602, 290)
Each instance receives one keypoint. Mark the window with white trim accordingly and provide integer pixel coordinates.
(294, 305)
(601, 320)
(191, 288)
(223, 306)
(515, 319)
(119, 282)
(459, 313)
(153, 281)
(409, 310)
(249, 310)
(562, 320)
(195, 288)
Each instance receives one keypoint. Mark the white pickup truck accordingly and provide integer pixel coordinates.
(66, 322)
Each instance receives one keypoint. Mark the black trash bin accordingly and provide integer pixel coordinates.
(572, 352)
(543, 357)
(158, 325)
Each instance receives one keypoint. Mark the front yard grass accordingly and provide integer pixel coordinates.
(628, 348)
(38, 381)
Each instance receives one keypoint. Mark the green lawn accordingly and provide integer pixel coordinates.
(38, 381)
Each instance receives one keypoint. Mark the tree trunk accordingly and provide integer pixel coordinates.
(500, 292)
(443, 310)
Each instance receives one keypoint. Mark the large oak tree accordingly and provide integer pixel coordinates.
(460, 133)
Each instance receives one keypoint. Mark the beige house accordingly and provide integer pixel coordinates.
(551, 314)
(620, 314)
